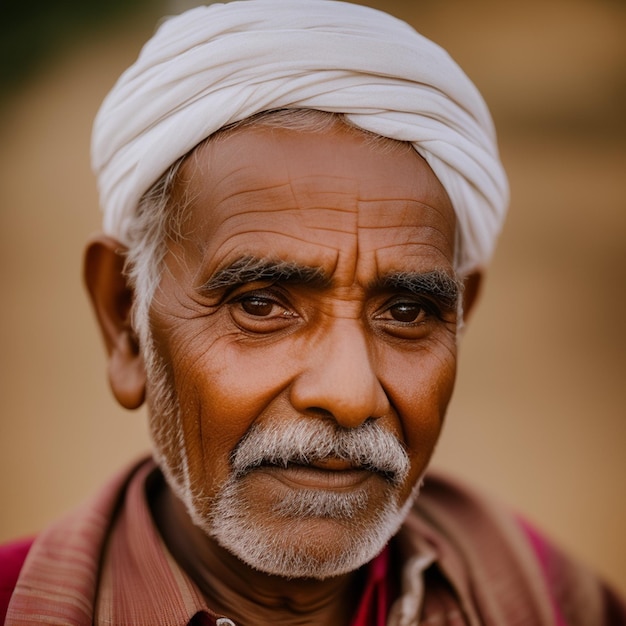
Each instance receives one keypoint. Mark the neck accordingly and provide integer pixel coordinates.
(248, 596)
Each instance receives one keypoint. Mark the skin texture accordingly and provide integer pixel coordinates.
(346, 343)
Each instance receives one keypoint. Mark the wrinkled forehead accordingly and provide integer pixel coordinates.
(311, 151)
(336, 189)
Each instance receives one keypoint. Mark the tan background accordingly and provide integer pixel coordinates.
(538, 417)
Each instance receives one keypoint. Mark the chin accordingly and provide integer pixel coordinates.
(315, 535)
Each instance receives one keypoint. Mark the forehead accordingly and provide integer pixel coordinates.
(313, 197)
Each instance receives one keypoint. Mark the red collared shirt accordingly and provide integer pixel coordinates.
(141, 583)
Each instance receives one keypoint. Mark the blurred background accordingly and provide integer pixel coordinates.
(539, 414)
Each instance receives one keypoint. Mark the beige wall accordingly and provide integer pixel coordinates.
(538, 417)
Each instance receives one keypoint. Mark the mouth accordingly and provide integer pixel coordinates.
(328, 474)
(312, 477)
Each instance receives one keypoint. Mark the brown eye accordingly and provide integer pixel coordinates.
(258, 313)
(406, 312)
(257, 306)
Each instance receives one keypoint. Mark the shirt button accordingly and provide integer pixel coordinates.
(224, 621)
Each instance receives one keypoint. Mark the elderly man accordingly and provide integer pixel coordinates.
(299, 200)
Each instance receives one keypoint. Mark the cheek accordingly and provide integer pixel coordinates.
(420, 385)
(223, 386)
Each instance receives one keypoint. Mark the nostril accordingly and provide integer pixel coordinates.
(319, 412)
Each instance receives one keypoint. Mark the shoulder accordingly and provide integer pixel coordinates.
(461, 512)
(499, 549)
(12, 557)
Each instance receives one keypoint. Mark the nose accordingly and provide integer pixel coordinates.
(339, 378)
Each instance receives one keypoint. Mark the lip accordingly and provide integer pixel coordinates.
(328, 474)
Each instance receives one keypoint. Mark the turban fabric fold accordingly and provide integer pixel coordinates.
(218, 64)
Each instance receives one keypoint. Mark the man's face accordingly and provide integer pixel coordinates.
(305, 326)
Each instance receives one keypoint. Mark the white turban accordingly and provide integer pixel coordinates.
(218, 64)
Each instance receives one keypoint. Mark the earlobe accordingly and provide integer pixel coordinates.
(127, 375)
(112, 299)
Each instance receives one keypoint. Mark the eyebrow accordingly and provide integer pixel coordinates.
(435, 284)
(251, 269)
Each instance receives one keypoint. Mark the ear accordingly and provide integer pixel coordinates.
(112, 301)
(471, 289)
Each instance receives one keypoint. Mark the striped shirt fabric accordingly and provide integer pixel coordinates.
(459, 560)
(138, 581)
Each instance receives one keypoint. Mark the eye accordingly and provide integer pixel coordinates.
(258, 306)
(261, 312)
(408, 318)
(406, 312)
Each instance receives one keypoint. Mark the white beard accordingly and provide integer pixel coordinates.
(288, 553)
(360, 530)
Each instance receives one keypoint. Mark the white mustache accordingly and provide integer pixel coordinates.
(306, 440)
